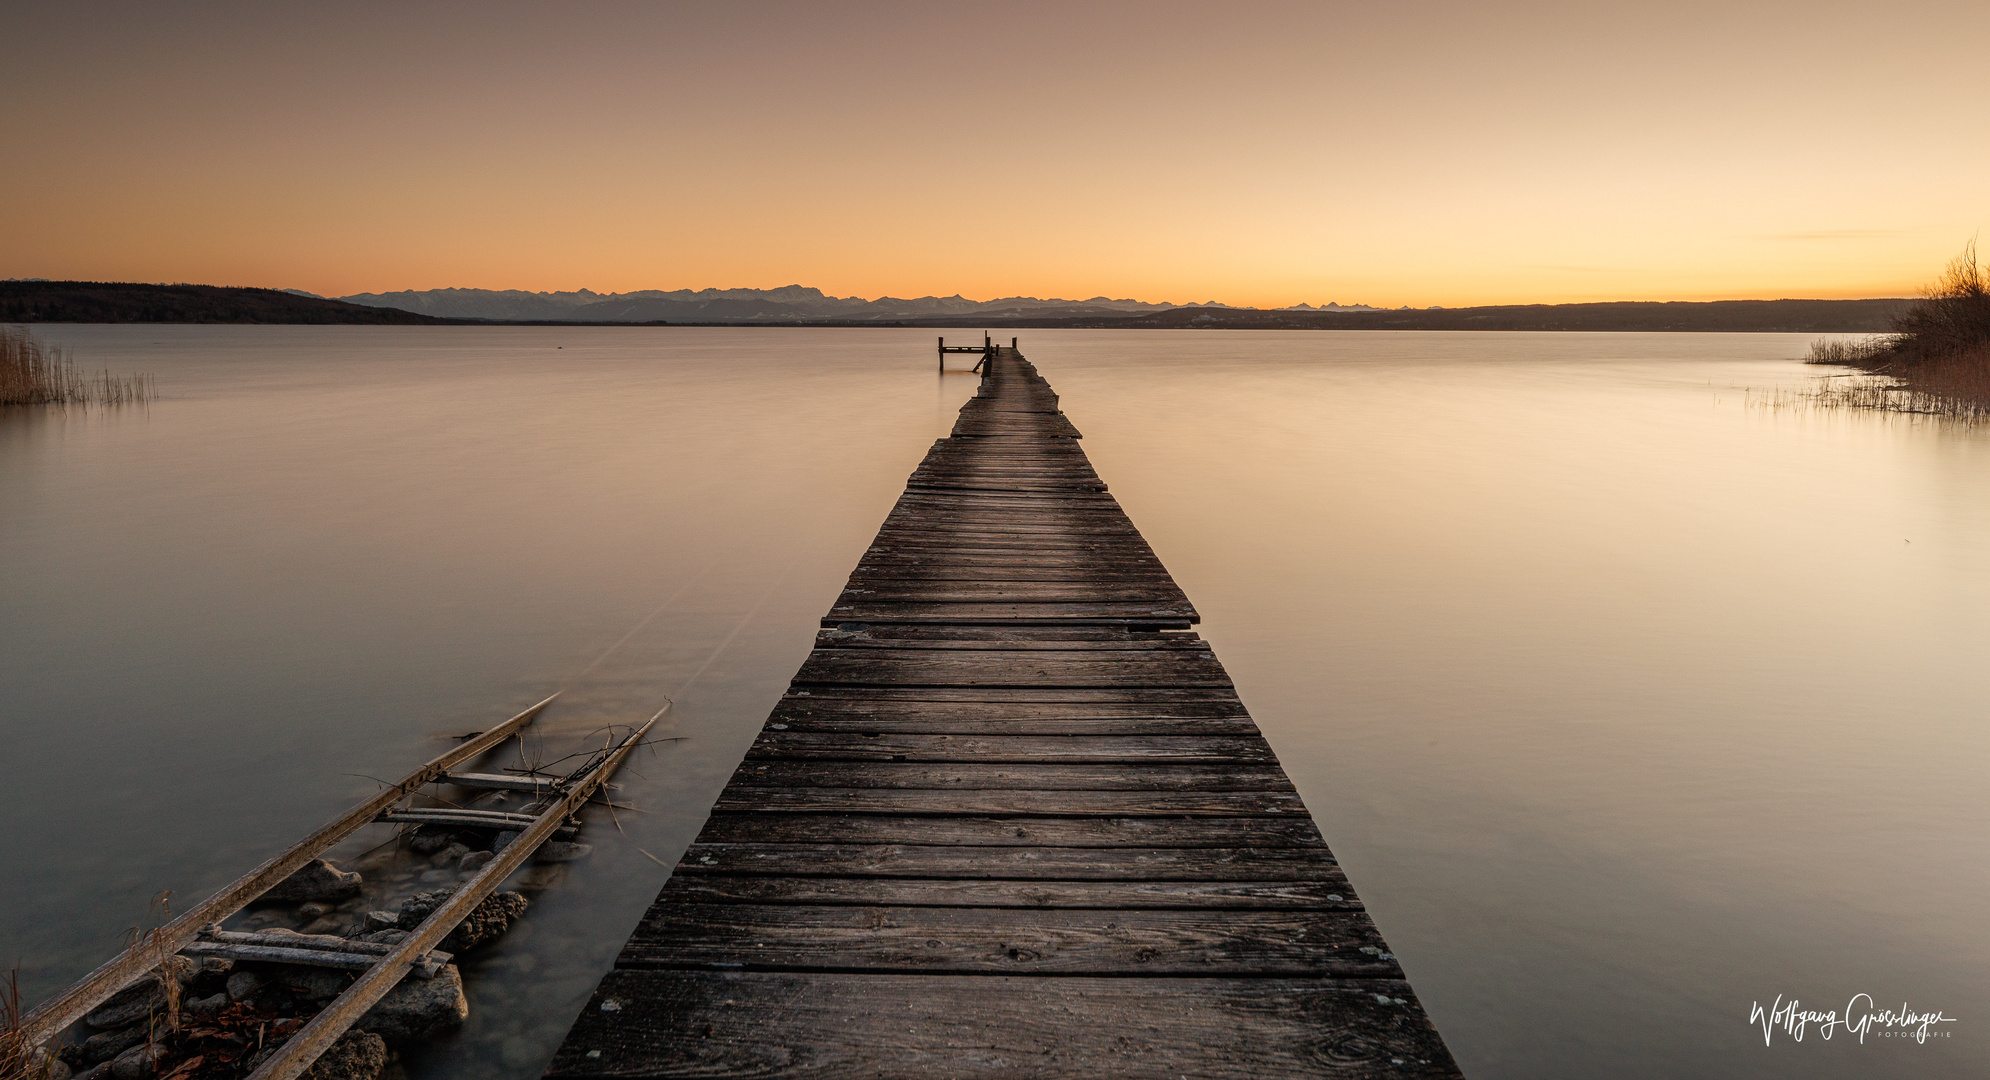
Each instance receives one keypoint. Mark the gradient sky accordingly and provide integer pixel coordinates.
(1269, 154)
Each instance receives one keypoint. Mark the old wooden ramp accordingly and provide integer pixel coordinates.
(1010, 820)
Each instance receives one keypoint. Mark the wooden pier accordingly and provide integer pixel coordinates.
(1009, 820)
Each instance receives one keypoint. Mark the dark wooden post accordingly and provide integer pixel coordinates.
(1012, 344)
(943, 354)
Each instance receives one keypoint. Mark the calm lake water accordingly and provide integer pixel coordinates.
(1626, 701)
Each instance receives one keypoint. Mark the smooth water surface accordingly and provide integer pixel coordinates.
(1626, 701)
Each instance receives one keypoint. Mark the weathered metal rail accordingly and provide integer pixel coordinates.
(72, 1004)
(386, 972)
(1010, 819)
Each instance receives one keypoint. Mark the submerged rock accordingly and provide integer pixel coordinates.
(142, 998)
(428, 843)
(418, 1008)
(318, 880)
(358, 1055)
(448, 856)
(208, 1006)
(556, 851)
(244, 985)
(314, 983)
(380, 920)
(106, 1045)
(335, 925)
(489, 921)
(138, 1062)
(475, 861)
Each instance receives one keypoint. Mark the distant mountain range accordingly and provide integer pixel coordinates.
(36, 300)
(789, 304)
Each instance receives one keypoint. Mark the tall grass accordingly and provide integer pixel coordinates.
(35, 374)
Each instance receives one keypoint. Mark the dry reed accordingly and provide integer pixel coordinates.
(32, 373)
(1854, 353)
(18, 1060)
(152, 939)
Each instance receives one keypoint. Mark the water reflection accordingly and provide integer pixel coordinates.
(1625, 704)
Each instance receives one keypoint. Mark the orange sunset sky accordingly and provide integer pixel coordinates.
(1262, 154)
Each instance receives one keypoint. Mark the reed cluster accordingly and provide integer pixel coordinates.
(32, 373)
(1851, 353)
(1937, 360)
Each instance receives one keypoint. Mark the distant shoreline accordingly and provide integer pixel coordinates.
(36, 302)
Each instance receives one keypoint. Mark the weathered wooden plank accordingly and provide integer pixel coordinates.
(1078, 480)
(1001, 486)
(1061, 941)
(1009, 640)
(1080, 509)
(899, 1027)
(1079, 512)
(1095, 509)
(946, 550)
(1140, 696)
(1100, 537)
(739, 797)
(1123, 654)
(966, 862)
(998, 511)
(842, 713)
(537, 785)
(964, 776)
(1331, 891)
(916, 724)
(1091, 507)
(1010, 832)
(1038, 670)
(1099, 593)
(951, 634)
(1062, 611)
(1017, 749)
(1017, 569)
(939, 543)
